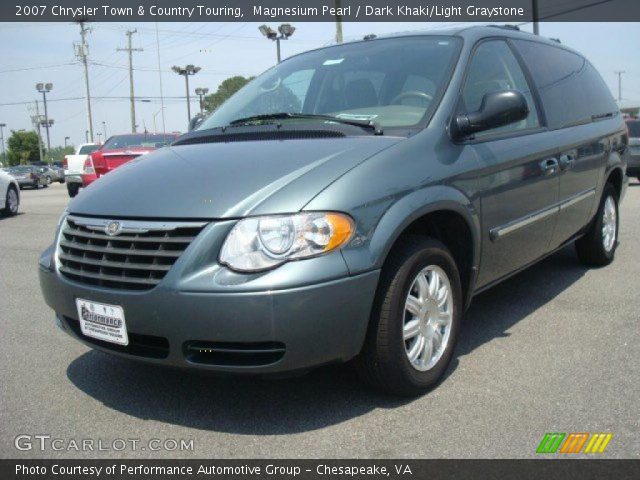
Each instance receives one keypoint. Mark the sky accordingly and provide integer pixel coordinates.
(43, 52)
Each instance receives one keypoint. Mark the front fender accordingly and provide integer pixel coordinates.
(371, 251)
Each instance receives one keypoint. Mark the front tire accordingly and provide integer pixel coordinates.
(72, 189)
(597, 247)
(12, 202)
(415, 319)
(47, 180)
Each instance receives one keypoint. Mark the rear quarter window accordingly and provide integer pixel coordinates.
(571, 90)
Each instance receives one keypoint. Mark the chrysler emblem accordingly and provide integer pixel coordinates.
(112, 228)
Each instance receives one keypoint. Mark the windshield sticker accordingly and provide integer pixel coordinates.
(333, 61)
(356, 116)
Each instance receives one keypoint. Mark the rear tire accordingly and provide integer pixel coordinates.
(72, 189)
(597, 247)
(388, 360)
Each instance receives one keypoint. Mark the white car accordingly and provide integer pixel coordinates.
(74, 165)
(9, 194)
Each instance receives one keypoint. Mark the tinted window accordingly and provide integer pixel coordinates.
(572, 91)
(634, 128)
(361, 80)
(494, 68)
(87, 149)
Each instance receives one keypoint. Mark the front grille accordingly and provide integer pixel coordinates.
(135, 256)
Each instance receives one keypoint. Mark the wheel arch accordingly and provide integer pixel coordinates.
(446, 215)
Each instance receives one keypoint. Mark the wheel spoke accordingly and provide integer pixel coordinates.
(413, 305)
(411, 329)
(434, 285)
(442, 318)
(416, 349)
(428, 351)
(437, 339)
(423, 287)
(443, 296)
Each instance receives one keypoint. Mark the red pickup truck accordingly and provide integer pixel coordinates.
(120, 149)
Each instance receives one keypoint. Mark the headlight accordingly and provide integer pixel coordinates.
(261, 243)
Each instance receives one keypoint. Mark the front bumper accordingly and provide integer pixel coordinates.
(264, 331)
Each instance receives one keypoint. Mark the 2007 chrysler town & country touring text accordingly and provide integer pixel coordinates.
(346, 204)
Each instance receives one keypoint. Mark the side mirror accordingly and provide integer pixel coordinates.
(196, 121)
(497, 109)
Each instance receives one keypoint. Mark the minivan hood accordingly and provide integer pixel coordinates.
(225, 180)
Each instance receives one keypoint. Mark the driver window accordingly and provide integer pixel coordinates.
(494, 68)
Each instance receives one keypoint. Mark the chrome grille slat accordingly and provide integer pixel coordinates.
(128, 238)
(120, 251)
(111, 264)
(136, 258)
(103, 276)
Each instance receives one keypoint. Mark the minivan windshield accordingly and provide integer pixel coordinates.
(393, 82)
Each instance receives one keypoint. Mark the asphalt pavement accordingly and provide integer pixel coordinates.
(554, 349)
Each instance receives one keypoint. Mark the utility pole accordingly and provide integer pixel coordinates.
(82, 52)
(619, 73)
(536, 26)
(66, 139)
(130, 49)
(339, 21)
(104, 129)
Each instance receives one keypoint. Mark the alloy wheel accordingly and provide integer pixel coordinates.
(609, 224)
(428, 316)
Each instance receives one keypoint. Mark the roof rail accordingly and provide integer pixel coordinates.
(557, 40)
(506, 27)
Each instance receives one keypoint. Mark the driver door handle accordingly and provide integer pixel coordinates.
(566, 161)
(549, 166)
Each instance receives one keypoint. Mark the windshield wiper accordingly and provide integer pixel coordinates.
(370, 124)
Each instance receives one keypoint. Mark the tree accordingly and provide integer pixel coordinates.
(23, 147)
(227, 88)
(57, 153)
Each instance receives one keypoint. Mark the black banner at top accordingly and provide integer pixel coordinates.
(508, 11)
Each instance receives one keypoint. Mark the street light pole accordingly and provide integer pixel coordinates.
(66, 139)
(536, 22)
(104, 129)
(187, 71)
(619, 73)
(45, 88)
(201, 92)
(286, 30)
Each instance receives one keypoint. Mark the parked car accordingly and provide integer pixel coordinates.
(347, 204)
(120, 149)
(633, 159)
(50, 172)
(9, 194)
(73, 166)
(29, 176)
